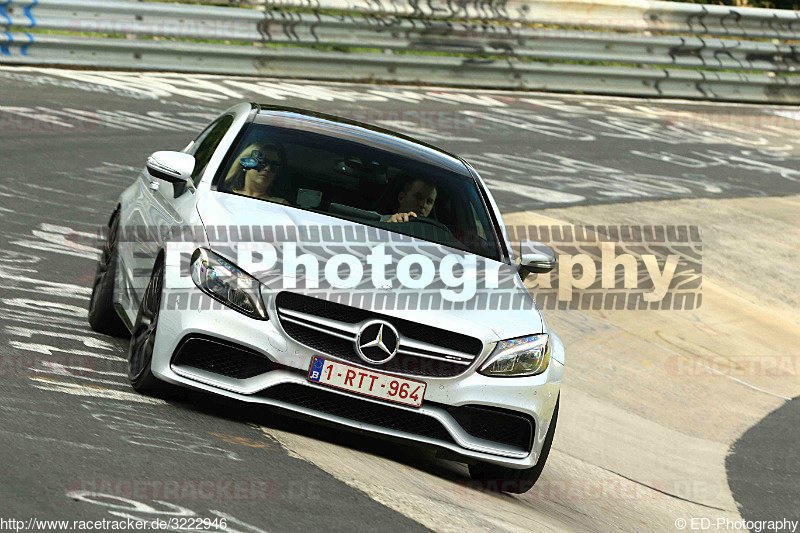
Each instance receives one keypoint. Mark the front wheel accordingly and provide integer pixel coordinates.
(511, 479)
(143, 338)
(103, 318)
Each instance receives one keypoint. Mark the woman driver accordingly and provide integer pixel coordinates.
(255, 171)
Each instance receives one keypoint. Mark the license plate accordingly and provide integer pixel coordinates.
(362, 381)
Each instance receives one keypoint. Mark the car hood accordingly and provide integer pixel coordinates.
(248, 231)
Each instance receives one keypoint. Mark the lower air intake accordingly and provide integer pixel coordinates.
(358, 410)
(220, 357)
(496, 425)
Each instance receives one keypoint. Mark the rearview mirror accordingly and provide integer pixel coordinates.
(535, 257)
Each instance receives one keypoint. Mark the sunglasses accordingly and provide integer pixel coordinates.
(258, 161)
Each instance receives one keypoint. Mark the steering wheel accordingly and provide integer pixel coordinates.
(432, 222)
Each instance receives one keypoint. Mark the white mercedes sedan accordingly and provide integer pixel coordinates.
(339, 272)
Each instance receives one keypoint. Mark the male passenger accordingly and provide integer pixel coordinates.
(415, 199)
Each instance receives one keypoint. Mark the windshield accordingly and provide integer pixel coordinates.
(360, 183)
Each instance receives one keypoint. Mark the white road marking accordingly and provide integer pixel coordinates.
(33, 116)
(51, 242)
(788, 114)
(58, 368)
(55, 308)
(211, 88)
(60, 442)
(89, 342)
(92, 391)
(45, 349)
(67, 290)
(535, 193)
(27, 411)
(65, 371)
(38, 319)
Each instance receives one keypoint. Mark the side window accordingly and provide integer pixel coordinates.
(206, 144)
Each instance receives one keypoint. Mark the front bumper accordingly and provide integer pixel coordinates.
(187, 313)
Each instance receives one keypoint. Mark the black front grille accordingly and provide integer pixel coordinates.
(220, 357)
(401, 363)
(496, 425)
(358, 410)
(343, 348)
(352, 315)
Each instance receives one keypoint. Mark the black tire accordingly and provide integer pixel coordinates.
(494, 477)
(103, 318)
(143, 337)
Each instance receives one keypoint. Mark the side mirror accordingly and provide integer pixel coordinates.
(174, 167)
(535, 257)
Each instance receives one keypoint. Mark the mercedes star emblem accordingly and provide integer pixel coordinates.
(377, 342)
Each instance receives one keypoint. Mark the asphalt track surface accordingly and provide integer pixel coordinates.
(764, 466)
(71, 141)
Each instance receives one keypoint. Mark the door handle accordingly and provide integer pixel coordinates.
(153, 185)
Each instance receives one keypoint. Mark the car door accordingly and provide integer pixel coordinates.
(165, 207)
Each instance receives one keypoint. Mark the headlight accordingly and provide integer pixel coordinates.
(224, 281)
(526, 356)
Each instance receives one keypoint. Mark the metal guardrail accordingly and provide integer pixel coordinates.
(617, 15)
(623, 15)
(357, 33)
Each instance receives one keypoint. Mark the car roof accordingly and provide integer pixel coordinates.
(352, 130)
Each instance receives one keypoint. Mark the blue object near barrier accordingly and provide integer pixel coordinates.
(28, 14)
(4, 47)
(24, 48)
(4, 11)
